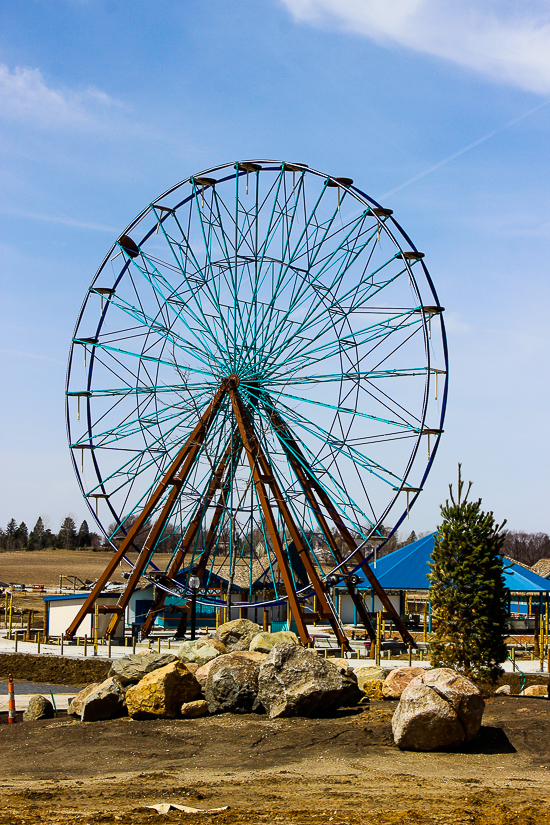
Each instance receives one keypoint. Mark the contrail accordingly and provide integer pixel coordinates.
(465, 149)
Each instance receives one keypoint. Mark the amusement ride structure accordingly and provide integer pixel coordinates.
(257, 379)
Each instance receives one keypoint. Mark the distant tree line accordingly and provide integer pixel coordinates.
(526, 548)
(17, 537)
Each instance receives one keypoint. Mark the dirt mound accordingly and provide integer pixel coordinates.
(59, 670)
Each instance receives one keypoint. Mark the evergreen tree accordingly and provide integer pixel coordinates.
(67, 534)
(37, 536)
(410, 540)
(11, 534)
(83, 539)
(467, 589)
(22, 536)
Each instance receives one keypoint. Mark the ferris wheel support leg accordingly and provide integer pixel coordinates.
(262, 474)
(306, 485)
(309, 484)
(192, 447)
(232, 451)
(189, 449)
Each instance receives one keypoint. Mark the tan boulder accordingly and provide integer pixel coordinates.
(264, 642)
(438, 709)
(193, 710)
(425, 721)
(75, 706)
(213, 642)
(370, 680)
(505, 690)
(201, 674)
(464, 696)
(398, 679)
(162, 692)
(237, 634)
(536, 690)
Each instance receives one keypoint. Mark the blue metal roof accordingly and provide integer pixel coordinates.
(407, 569)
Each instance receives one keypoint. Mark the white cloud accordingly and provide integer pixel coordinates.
(507, 40)
(25, 96)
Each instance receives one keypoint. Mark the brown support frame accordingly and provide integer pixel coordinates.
(263, 474)
(309, 483)
(192, 530)
(175, 476)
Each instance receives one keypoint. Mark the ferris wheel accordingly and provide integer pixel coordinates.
(257, 378)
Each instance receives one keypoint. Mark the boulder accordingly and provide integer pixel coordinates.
(105, 702)
(130, 669)
(213, 642)
(370, 680)
(75, 706)
(464, 696)
(536, 690)
(162, 692)
(351, 694)
(238, 634)
(295, 681)
(198, 652)
(424, 721)
(192, 666)
(192, 710)
(397, 680)
(38, 708)
(503, 689)
(438, 709)
(202, 673)
(232, 684)
(264, 642)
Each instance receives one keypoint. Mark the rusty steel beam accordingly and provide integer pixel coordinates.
(192, 530)
(292, 448)
(321, 521)
(175, 475)
(263, 474)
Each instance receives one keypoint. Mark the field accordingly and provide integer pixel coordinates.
(46, 566)
(343, 771)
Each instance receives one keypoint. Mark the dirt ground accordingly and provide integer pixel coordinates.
(344, 770)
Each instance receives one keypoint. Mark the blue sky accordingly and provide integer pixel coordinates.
(106, 104)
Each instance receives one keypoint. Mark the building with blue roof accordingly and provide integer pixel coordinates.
(406, 571)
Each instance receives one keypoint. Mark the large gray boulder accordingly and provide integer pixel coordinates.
(201, 674)
(132, 668)
(296, 681)
(232, 684)
(197, 652)
(38, 708)
(237, 635)
(351, 694)
(105, 702)
(438, 709)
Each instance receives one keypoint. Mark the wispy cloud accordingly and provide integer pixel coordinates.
(58, 219)
(503, 39)
(26, 96)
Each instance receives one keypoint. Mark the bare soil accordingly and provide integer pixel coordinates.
(307, 771)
